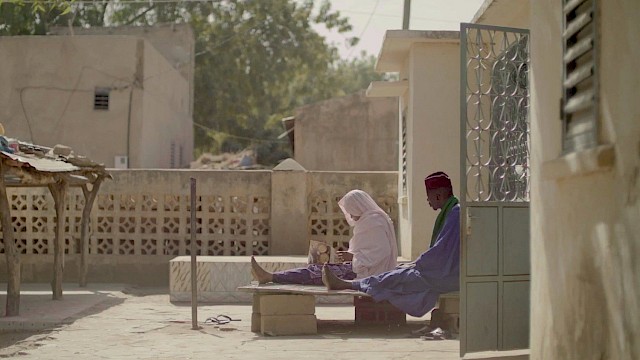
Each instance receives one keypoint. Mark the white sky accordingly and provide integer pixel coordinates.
(371, 18)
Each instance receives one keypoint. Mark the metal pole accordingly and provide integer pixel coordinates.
(194, 284)
(407, 15)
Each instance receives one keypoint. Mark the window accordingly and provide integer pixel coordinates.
(579, 107)
(101, 99)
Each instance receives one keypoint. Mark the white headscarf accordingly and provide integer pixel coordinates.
(373, 244)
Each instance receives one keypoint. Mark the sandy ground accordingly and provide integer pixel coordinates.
(141, 323)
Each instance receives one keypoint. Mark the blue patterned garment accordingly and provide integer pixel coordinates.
(415, 290)
(312, 274)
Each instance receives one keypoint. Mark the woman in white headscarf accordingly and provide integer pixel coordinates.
(372, 249)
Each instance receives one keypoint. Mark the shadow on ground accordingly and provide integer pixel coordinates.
(40, 318)
(347, 329)
(138, 291)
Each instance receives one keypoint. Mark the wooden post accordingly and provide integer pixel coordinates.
(11, 251)
(89, 198)
(59, 192)
(194, 265)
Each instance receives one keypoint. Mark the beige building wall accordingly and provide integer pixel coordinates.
(166, 122)
(351, 133)
(585, 206)
(434, 140)
(428, 63)
(175, 42)
(48, 89)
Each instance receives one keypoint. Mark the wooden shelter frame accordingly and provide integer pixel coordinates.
(17, 171)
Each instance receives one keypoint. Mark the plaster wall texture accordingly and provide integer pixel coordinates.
(351, 133)
(48, 91)
(584, 212)
(433, 113)
(166, 121)
(175, 42)
(49, 96)
(289, 233)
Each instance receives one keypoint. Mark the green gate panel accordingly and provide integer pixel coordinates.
(482, 243)
(515, 315)
(482, 316)
(515, 228)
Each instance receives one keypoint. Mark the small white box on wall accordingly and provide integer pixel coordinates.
(121, 162)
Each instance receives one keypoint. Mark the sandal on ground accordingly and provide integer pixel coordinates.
(219, 320)
(437, 334)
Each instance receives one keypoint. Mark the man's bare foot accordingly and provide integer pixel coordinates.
(260, 274)
(332, 282)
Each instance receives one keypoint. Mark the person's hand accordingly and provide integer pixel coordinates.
(344, 256)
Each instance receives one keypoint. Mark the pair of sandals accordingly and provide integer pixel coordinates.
(219, 320)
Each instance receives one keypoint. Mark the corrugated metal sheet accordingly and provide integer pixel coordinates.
(40, 164)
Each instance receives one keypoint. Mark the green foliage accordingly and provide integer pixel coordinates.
(19, 18)
(256, 61)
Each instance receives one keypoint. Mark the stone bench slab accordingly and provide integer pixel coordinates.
(298, 289)
(219, 277)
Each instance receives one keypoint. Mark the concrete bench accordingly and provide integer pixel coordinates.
(218, 277)
(290, 309)
(449, 311)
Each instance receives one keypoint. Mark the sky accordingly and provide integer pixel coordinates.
(371, 18)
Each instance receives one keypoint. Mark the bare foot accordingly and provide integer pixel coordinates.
(332, 282)
(260, 274)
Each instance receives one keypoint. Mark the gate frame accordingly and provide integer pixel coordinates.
(465, 218)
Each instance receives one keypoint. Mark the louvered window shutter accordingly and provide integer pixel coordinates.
(404, 153)
(580, 80)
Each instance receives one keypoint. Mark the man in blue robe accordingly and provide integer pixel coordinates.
(415, 287)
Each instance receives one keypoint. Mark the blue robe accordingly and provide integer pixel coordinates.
(416, 290)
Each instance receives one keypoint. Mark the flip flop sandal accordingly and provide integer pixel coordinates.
(437, 334)
(219, 320)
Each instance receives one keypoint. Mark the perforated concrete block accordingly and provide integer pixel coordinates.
(287, 305)
(276, 325)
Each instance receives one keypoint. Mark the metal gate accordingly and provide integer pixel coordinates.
(495, 264)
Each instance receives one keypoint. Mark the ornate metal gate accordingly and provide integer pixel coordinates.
(495, 264)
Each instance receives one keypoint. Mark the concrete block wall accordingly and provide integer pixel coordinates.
(141, 219)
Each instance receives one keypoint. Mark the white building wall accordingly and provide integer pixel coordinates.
(433, 123)
(585, 207)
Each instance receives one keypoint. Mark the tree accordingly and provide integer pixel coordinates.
(16, 18)
(256, 61)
